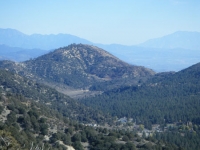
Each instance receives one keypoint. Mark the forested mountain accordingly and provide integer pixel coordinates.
(82, 65)
(165, 98)
(79, 66)
(34, 113)
(27, 122)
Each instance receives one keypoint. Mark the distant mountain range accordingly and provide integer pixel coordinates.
(15, 38)
(179, 39)
(173, 52)
(19, 54)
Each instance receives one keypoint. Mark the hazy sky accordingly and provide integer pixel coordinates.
(125, 22)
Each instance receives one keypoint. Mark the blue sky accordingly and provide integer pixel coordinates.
(126, 22)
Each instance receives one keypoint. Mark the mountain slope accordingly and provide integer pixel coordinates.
(180, 39)
(67, 106)
(30, 123)
(87, 61)
(165, 98)
(24, 123)
(14, 38)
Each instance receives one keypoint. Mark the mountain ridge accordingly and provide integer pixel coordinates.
(15, 38)
(179, 39)
(6, 36)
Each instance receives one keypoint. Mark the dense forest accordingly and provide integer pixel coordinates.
(165, 98)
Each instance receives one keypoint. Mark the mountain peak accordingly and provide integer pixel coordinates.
(84, 50)
(79, 66)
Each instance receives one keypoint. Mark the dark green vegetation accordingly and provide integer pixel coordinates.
(165, 98)
(182, 137)
(21, 120)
